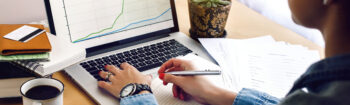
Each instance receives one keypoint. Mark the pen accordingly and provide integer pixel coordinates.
(194, 72)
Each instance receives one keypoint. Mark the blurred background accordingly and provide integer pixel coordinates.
(21, 11)
(27, 11)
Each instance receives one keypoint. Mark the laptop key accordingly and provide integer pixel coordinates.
(141, 51)
(166, 52)
(167, 48)
(135, 65)
(91, 69)
(168, 57)
(99, 78)
(115, 62)
(172, 51)
(121, 60)
(154, 56)
(148, 62)
(161, 50)
(154, 52)
(93, 64)
(140, 59)
(160, 54)
(134, 57)
(141, 55)
(94, 72)
(126, 52)
(154, 65)
(107, 60)
(160, 46)
(147, 49)
(127, 55)
(100, 62)
(162, 59)
(147, 58)
(158, 43)
(133, 53)
(100, 67)
(114, 59)
(155, 60)
(148, 53)
(133, 62)
(85, 65)
(142, 64)
(139, 48)
(153, 48)
(174, 55)
(128, 59)
(119, 54)
(133, 50)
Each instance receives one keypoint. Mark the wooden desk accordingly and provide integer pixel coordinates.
(243, 23)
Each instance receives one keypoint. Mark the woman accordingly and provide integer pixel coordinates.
(325, 82)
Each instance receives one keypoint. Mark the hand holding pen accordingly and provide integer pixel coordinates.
(189, 87)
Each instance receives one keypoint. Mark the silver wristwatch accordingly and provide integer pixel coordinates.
(133, 88)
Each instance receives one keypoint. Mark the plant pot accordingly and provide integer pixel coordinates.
(208, 22)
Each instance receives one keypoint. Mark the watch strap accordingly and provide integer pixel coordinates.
(142, 87)
(138, 89)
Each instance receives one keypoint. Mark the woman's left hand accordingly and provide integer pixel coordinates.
(121, 77)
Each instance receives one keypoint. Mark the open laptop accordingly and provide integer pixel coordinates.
(144, 33)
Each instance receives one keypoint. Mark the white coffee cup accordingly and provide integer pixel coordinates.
(54, 99)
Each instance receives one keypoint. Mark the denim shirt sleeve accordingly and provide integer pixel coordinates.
(253, 97)
(139, 99)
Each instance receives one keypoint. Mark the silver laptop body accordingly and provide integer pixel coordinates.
(88, 83)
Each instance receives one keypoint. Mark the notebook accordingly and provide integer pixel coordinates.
(38, 44)
(144, 33)
(13, 77)
(36, 57)
(62, 55)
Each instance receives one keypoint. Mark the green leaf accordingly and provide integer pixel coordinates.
(198, 1)
(214, 4)
(208, 4)
(224, 2)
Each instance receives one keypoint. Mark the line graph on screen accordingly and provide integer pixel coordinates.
(97, 18)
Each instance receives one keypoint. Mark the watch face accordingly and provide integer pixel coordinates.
(127, 90)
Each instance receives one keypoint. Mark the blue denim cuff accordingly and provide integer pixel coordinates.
(139, 99)
(253, 97)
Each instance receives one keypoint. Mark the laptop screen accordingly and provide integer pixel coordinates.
(90, 23)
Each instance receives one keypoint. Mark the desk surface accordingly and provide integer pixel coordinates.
(242, 23)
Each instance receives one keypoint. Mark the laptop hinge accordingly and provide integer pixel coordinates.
(121, 44)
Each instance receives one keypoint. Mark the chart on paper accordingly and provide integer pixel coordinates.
(89, 19)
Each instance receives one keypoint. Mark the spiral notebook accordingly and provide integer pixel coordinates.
(62, 55)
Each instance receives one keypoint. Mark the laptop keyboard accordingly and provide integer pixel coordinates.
(143, 58)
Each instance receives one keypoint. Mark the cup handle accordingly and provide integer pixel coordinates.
(36, 103)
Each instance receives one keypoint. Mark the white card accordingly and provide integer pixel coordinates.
(24, 33)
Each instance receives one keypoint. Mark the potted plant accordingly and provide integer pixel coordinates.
(208, 18)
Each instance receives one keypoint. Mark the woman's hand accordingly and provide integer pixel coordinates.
(196, 87)
(121, 77)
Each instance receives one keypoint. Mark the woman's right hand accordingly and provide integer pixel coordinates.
(195, 87)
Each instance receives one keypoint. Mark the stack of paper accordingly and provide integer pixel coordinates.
(260, 63)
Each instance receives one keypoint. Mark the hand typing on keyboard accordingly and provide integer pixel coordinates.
(121, 77)
(142, 58)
